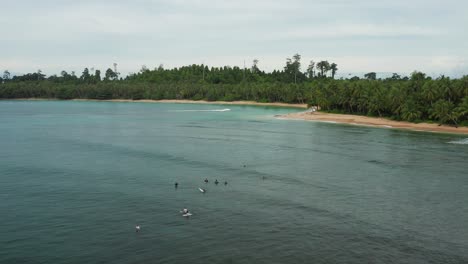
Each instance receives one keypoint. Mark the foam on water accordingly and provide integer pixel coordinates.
(205, 110)
(461, 141)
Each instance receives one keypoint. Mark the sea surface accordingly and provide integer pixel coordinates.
(77, 177)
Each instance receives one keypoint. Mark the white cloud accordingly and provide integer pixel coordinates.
(360, 35)
(362, 30)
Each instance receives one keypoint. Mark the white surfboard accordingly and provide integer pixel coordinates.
(201, 190)
(187, 214)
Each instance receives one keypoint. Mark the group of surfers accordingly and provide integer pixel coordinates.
(206, 181)
(216, 182)
(184, 211)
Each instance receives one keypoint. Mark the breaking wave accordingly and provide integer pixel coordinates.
(461, 141)
(211, 110)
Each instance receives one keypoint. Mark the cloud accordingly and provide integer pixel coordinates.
(362, 30)
(359, 35)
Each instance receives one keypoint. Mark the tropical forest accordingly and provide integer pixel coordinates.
(414, 98)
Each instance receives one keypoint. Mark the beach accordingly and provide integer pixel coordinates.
(308, 116)
(372, 121)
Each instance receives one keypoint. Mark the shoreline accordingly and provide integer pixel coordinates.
(378, 122)
(180, 101)
(174, 101)
(349, 119)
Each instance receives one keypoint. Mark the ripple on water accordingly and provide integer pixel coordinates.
(461, 141)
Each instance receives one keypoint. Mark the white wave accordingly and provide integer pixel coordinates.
(211, 110)
(461, 141)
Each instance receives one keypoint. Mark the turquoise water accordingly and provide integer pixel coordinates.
(76, 177)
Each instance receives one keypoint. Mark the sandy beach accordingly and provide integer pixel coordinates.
(315, 116)
(373, 121)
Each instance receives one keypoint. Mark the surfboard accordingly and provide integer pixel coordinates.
(201, 190)
(187, 214)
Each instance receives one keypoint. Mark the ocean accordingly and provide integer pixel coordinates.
(77, 177)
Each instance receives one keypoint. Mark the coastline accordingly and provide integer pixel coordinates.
(177, 101)
(307, 116)
(373, 122)
(173, 101)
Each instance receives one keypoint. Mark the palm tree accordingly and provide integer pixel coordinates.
(454, 116)
(310, 69)
(429, 92)
(462, 108)
(334, 69)
(410, 112)
(442, 111)
(396, 100)
(323, 66)
(376, 101)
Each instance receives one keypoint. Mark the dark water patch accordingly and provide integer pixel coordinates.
(195, 126)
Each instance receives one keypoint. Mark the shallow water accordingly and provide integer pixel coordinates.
(76, 177)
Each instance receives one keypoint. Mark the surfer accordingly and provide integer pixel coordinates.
(216, 182)
(185, 211)
(137, 228)
(225, 182)
(176, 184)
(206, 180)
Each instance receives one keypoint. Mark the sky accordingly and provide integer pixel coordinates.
(359, 35)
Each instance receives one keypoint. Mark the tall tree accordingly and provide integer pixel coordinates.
(116, 72)
(297, 65)
(311, 69)
(144, 69)
(293, 66)
(97, 76)
(334, 69)
(370, 76)
(85, 76)
(395, 76)
(254, 68)
(324, 67)
(110, 75)
(6, 75)
(40, 76)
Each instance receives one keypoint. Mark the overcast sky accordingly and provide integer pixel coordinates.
(359, 35)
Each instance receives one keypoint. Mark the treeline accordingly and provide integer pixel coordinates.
(414, 98)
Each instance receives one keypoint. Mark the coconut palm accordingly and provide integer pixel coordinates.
(324, 67)
(410, 112)
(442, 111)
(334, 69)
